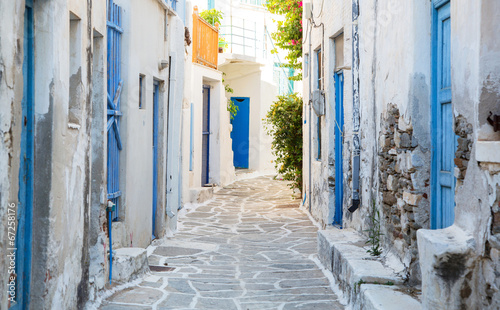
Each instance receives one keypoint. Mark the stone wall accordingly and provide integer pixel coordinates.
(404, 187)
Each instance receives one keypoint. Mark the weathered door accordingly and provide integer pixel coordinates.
(19, 242)
(156, 88)
(114, 90)
(205, 164)
(240, 132)
(339, 140)
(443, 137)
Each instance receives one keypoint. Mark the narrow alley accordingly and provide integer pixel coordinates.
(250, 247)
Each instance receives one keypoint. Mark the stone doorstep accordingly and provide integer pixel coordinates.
(201, 194)
(129, 263)
(384, 297)
(342, 252)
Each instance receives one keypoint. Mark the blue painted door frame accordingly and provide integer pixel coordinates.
(205, 173)
(156, 89)
(22, 244)
(443, 137)
(114, 87)
(241, 132)
(339, 141)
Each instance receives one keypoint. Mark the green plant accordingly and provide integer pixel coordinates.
(231, 107)
(284, 123)
(212, 16)
(289, 32)
(222, 42)
(374, 232)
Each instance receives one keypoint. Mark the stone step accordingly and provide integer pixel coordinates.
(200, 194)
(129, 263)
(384, 297)
(344, 253)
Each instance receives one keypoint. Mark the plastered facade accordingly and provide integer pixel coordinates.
(395, 82)
(69, 234)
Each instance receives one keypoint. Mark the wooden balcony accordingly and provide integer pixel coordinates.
(205, 41)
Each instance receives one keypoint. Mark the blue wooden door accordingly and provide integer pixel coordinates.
(241, 131)
(114, 88)
(21, 245)
(339, 141)
(443, 137)
(156, 88)
(205, 164)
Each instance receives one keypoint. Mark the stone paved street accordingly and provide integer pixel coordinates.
(251, 247)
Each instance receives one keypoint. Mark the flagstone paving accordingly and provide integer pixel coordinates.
(248, 248)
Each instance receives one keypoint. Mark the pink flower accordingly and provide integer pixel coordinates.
(300, 4)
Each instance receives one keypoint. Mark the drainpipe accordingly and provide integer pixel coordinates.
(355, 107)
(310, 108)
(110, 209)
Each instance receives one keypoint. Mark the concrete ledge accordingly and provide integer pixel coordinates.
(383, 297)
(128, 263)
(200, 194)
(343, 252)
(446, 260)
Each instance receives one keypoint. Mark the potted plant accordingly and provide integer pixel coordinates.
(222, 44)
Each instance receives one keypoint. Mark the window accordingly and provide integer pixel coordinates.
(319, 70)
(75, 71)
(211, 4)
(173, 4)
(281, 77)
(338, 42)
(142, 84)
(306, 66)
(319, 85)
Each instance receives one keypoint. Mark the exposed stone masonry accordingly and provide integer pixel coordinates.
(404, 185)
(464, 146)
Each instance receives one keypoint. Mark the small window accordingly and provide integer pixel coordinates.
(339, 51)
(211, 4)
(141, 91)
(306, 65)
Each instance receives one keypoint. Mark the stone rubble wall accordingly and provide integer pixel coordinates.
(404, 187)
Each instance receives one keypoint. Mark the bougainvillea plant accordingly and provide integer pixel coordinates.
(284, 123)
(289, 32)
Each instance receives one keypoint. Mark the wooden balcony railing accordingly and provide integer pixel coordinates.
(205, 41)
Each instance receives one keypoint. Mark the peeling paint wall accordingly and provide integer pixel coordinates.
(395, 97)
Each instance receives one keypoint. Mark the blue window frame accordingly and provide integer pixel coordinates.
(211, 4)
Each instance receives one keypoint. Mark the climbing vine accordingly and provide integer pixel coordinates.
(289, 32)
(284, 123)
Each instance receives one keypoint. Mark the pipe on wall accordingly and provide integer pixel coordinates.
(355, 107)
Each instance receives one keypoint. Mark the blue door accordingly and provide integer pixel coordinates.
(156, 88)
(205, 164)
(443, 137)
(20, 278)
(240, 133)
(114, 88)
(339, 141)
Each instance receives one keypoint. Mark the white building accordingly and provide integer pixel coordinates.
(214, 144)
(408, 88)
(77, 131)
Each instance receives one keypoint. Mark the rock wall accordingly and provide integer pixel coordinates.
(404, 187)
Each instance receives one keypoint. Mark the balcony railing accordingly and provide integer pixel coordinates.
(205, 41)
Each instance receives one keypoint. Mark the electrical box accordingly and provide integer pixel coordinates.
(308, 10)
(318, 102)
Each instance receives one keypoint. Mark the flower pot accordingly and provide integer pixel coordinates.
(221, 49)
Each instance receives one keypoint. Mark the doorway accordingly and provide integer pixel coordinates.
(205, 160)
(240, 132)
(443, 136)
(339, 141)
